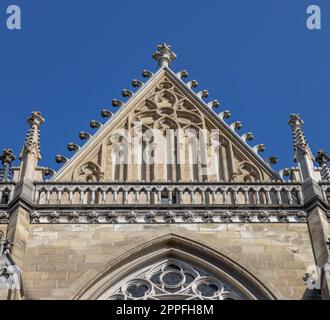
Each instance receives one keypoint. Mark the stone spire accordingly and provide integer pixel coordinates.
(164, 55)
(302, 153)
(30, 154)
(322, 159)
(6, 160)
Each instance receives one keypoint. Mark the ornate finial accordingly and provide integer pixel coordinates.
(302, 153)
(299, 140)
(271, 160)
(32, 141)
(259, 148)
(322, 159)
(6, 159)
(106, 114)
(61, 159)
(36, 119)
(164, 55)
(295, 120)
(48, 172)
(147, 74)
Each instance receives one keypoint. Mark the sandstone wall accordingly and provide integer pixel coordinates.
(3, 230)
(57, 256)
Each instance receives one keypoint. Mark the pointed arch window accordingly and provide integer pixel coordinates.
(172, 279)
(171, 268)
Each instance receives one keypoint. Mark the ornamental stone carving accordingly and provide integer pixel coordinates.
(226, 217)
(208, 216)
(54, 217)
(177, 216)
(74, 217)
(4, 217)
(189, 217)
(93, 217)
(151, 217)
(112, 217)
(263, 216)
(35, 217)
(170, 217)
(301, 216)
(132, 217)
(282, 216)
(245, 216)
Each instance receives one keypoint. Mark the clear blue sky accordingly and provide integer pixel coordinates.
(257, 57)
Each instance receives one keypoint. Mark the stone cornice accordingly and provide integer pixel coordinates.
(146, 216)
(182, 183)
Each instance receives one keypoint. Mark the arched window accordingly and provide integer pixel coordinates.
(172, 279)
(171, 268)
(284, 196)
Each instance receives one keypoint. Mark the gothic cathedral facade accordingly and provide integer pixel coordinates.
(166, 200)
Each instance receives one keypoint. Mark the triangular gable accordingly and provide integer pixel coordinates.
(94, 159)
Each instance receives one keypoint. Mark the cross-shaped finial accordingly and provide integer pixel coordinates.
(164, 55)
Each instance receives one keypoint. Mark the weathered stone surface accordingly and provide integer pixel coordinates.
(61, 251)
(266, 250)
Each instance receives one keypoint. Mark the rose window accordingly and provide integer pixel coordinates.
(172, 280)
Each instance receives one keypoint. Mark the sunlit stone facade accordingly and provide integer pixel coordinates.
(166, 200)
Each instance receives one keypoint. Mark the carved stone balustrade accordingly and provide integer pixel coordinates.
(166, 194)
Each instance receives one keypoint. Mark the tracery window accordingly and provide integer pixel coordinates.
(172, 280)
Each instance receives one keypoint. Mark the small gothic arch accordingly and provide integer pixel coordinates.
(165, 188)
(273, 195)
(295, 195)
(88, 172)
(284, 195)
(263, 195)
(166, 123)
(166, 98)
(187, 119)
(144, 189)
(216, 270)
(246, 172)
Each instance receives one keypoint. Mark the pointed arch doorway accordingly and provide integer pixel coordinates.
(172, 267)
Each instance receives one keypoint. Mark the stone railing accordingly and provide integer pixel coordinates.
(6, 193)
(285, 194)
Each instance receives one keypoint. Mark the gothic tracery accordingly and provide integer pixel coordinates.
(172, 280)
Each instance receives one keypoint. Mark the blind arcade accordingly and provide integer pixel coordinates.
(13, 18)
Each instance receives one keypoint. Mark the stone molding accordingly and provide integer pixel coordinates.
(165, 216)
